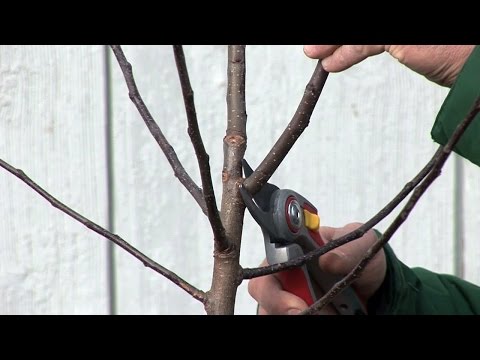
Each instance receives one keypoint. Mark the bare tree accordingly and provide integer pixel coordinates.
(227, 224)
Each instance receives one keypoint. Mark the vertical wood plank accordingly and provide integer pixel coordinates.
(369, 135)
(52, 127)
(153, 210)
(470, 216)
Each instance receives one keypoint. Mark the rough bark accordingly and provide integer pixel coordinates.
(221, 297)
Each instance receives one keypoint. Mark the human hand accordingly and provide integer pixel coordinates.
(273, 300)
(438, 63)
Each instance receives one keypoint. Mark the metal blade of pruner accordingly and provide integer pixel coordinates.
(259, 205)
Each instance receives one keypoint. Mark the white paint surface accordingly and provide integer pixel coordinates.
(369, 135)
(52, 127)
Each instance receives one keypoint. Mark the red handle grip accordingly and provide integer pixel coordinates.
(296, 282)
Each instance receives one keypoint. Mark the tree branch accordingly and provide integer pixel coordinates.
(295, 128)
(400, 219)
(250, 273)
(221, 297)
(155, 130)
(193, 291)
(221, 243)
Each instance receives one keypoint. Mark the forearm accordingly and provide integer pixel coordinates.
(416, 291)
(455, 108)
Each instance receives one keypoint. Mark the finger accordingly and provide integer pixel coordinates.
(343, 259)
(348, 55)
(327, 232)
(319, 51)
(262, 311)
(268, 292)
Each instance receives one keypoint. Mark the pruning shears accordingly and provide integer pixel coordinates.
(290, 225)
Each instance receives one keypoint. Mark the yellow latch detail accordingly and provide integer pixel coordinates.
(312, 221)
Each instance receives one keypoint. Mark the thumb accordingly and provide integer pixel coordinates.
(342, 260)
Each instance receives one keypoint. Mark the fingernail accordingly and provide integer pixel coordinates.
(326, 63)
(293, 312)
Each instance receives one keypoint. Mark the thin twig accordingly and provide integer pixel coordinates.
(295, 128)
(400, 219)
(221, 242)
(192, 290)
(250, 273)
(155, 130)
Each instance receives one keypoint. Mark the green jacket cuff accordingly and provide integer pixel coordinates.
(397, 293)
(417, 291)
(456, 107)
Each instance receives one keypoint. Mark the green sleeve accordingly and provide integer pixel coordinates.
(456, 107)
(417, 291)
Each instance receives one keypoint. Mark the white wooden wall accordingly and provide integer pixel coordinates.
(369, 135)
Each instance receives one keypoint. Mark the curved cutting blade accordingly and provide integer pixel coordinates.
(263, 197)
(263, 218)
